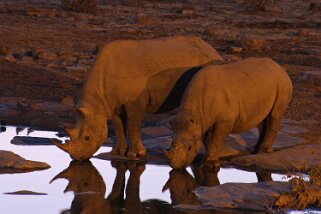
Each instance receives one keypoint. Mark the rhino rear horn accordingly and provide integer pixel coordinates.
(72, 132)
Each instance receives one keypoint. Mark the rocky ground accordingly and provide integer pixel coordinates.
(45, 52)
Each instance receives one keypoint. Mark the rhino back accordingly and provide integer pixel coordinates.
(122, 68)
(243, 93)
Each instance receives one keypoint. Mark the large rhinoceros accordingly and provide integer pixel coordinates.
(231, 98)
(118, 77)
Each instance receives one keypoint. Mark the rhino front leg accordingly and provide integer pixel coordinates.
(119, 121)
(215, 142)
(135, 115)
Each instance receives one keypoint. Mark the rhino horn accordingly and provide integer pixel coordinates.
(68, 188)
(168, 154)
(63, 174)
(72, 132)
(65, 147)
(166, 186)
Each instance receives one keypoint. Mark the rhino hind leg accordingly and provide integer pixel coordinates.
(215, 142)
(119, 121)
(269, 134)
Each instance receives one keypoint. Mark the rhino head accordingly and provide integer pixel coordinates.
(186, 143)
(182, 154)
(87, 137)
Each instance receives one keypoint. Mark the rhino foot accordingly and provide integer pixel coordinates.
(134, 153)
(118, 151)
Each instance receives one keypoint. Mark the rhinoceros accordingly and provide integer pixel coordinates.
(231, 98)
(118, 77)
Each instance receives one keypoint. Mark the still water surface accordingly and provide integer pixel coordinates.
(152, 179)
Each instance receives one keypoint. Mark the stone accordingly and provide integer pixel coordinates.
(31, 141)
(293, 130)
(187, 10)
(312, 76)
(239, 196)
(79, 5)
(298, 158)
(13, 163)
(25, 192)
(143, 19)
(236, 50)
(26, 60)
(209, 30)
(4, 50)
(10, 59)
(68, 101)
(315, 7)
(157, 131)
(304, 32)
(70, 60)
(253, 44)
(47, 55)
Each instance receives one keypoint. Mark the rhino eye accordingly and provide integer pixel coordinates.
(189, 148)
(87, 138)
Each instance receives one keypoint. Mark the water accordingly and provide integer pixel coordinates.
(97, 176)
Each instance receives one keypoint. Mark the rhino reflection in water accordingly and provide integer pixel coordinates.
(89, 188)
(117, 81)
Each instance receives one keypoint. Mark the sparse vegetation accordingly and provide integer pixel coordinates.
(306, 193)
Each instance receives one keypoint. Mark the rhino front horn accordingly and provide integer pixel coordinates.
(63, 174)
(65, 147)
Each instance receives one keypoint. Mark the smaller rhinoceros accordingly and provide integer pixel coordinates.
(231, 98)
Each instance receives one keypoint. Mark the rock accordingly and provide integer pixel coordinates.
(70, 60)
(79, 5)
(68, 101)
(4, 50)
(47, 55)
(236, 50)
(31, 141)
(253, 44)
(294, 130)
(13, 163)
(25, 192)
(187, 10)
(312, 76)
(304, 32)
(240, 196)
(143, 19)
(158, 131)
(315, 7)
(8, 112)
(209, 30)
(10, 59)
(26, 60)
(299, 158)
(3, 129)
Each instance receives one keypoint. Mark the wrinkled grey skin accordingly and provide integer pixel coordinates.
(232, 98)
(118, 77)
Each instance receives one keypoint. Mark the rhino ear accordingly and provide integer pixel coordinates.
(84, 112)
